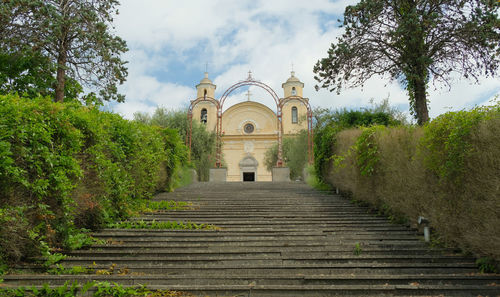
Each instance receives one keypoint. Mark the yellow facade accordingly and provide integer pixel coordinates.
(249, 128)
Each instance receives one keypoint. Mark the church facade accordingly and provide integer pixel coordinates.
(249, 128)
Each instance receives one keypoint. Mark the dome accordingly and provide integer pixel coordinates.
(293, 78)
(206, 80)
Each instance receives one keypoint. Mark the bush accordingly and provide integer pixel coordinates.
(447, 171)
(328, 123)
(294, 154)
(203, 141)
(64, 166)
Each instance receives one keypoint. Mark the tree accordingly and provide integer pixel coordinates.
(203, 141)
(294, 154)
(74, 35)
(413, 41)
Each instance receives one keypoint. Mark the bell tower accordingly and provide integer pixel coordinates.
(205, 88)
(293, 86)
(294, 111)
(205, 112)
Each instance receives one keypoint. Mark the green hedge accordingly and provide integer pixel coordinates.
(64, 167)
(448, 171)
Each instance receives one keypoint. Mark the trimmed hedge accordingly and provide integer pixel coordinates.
(64, 166)
(447, 171)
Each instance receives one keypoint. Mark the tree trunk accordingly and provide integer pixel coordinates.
(61, 76)
(421, 102)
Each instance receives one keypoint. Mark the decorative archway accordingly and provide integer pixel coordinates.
(249, 82)
(279, 105)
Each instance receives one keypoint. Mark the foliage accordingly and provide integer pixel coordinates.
(357, 249)
(74, 36)
(294, 154)
(328, 123)
(446, 171)
(100, 289)
(162, 225)
(67, 290)
(413, 42)
(166, 205)
(64, 167)
(367, 151)
(203, 141)
(448, 139)
(487, 265)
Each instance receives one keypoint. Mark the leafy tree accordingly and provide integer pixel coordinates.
(203, 141)
(74, 35)
(294, 154)
(413, 41)
(31, 74)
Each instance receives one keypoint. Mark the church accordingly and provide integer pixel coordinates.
(249, 129)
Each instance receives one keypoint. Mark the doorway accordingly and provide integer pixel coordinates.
(248, 176)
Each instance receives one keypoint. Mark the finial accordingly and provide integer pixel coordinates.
(206, 74)
(250, 75)
(293, 73)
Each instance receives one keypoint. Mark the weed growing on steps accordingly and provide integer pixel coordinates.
(162, 225)
(487, 265)
(150, 206)
(100, 289)
(357, 249)
(58, 269)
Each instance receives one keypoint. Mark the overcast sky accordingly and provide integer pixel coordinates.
(170, 42)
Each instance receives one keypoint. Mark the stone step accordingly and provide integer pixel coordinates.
(320, 238)
(283, 256)
(280, 239)
(339, 280)
(326, 290)
(231, 251)
(297, 244)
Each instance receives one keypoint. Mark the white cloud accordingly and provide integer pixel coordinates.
(236, 36)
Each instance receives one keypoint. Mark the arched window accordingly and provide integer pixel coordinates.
(205, 94)
(295, 115)
(294, 91)
(204, 116)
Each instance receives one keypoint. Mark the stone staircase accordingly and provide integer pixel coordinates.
(276, 239)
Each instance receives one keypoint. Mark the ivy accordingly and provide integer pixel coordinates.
(367, 151)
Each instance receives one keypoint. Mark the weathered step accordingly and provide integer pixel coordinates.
(276, 239)
(204, 279)
(311, 251)
(326, 290)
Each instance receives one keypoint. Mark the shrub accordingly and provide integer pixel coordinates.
(294, 154)
(64, 166)
(447, 171)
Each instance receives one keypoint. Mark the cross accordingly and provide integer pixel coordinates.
(206, 67)
(292, 66)
(248, 94)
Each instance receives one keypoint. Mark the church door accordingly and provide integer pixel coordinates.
(248, 168)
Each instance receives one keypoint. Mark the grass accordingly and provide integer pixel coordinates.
(98, 289)
(171, 225)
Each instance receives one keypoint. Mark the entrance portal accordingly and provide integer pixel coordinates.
(248, 176)
(248, 168)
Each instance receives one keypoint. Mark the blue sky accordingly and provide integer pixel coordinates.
(170, 43)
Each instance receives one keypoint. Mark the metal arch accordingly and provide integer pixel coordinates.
(310, 130)
(249, 82)
(190, 118)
